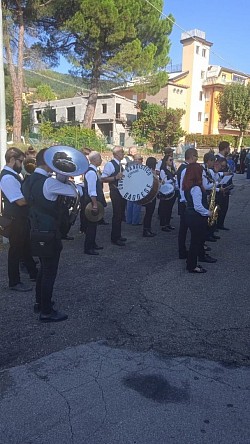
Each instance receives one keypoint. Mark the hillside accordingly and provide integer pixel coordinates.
(61, 83)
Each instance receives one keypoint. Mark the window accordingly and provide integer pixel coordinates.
(223, 77)
(71, 114)
(204, 52)
(134, 97)
(118, 110)
(202, 74)
(39, 116)
(104, 108)
(199, 117)
(122, 139)
(200, 95)
(52, 115)
(197, 49)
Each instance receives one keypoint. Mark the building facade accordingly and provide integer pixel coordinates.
(113, 117)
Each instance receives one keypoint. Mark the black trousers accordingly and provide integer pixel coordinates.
(198, 228)
(118, 205)
(165, 210)
(83, 220)
(90, 236)
(223, 201)
(183, 227)
(150, 207)
(19, 250)
(46, 278)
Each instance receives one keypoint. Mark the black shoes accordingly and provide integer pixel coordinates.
(224, 228)
(148, 233)
(67, 237)
(119, 243)
(211, 239)
(166, 229)
(171, 227)
(208, 259)
(214, 236)
(199, 270)
(54, 316)
(21, 287)
(91, 252)
(102, 222)
(97, 247)
(123, 239)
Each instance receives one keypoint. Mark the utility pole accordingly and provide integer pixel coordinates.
(3, 132)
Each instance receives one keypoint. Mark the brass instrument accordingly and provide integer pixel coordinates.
(213, 207)
(69, 162)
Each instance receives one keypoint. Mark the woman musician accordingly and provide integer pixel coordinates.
(196, 214)
(167, 176)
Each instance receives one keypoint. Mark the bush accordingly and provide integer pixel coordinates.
(210, 140)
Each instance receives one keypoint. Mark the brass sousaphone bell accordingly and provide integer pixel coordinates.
(69, 162)
(66, 160)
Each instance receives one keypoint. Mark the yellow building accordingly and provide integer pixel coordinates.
(194, 87)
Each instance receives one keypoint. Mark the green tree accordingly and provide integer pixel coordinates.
(233, 105)
(110, 39)
(20, 17)
(158, 126)
(44, 93)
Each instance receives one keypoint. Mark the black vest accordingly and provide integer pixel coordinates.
(117, 170)
(99, 191)
(170, 175)
(43, 213)
(182, 167)
(190, 203)
(12, 209)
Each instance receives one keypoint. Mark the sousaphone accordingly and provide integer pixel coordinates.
(67, 161)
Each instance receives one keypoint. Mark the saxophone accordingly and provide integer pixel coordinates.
(213, 207)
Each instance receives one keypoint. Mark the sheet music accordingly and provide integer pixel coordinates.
(225, 179)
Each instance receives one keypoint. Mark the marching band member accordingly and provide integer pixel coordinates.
(112, 172)
(167, 175)
(150, 207)
(42, 193)
(196, 214)
(93, 194)
(133, 213)
(191, 156)
(15, 207)
(223, 197)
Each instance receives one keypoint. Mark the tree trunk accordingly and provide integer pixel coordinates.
(16, 75)
(90, 108)
(92, 99)
(240, 139)
(17, 118)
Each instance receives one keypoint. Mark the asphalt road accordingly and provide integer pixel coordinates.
(140, 298)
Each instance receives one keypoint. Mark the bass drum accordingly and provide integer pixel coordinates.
(138, 184)
(166, 191)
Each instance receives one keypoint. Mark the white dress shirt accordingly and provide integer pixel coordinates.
(197, 201)
(52, 187)
(10, 186)
(91, 179)
(109, 168)
(182, 195)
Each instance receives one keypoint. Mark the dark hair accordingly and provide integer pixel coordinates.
(193, 176)
(151, 162)
(40, 157)
(208, 156)
(224, 144)
(165, 159)
(190, 152)
(13, 152)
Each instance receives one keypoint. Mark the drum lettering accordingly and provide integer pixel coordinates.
(138, 196)
(125, 195)
(133, 197)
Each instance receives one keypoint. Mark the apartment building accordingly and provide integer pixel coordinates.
(113, 117)
(194, 87)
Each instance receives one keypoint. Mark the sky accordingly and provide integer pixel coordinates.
(225, 23)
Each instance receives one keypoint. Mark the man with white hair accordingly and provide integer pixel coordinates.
(112, 173)
(93, 194)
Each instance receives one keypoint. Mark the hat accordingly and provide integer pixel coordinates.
(94, 217)
(168, 150)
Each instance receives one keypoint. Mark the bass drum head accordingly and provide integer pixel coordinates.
(166, 188)
(137, 182)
